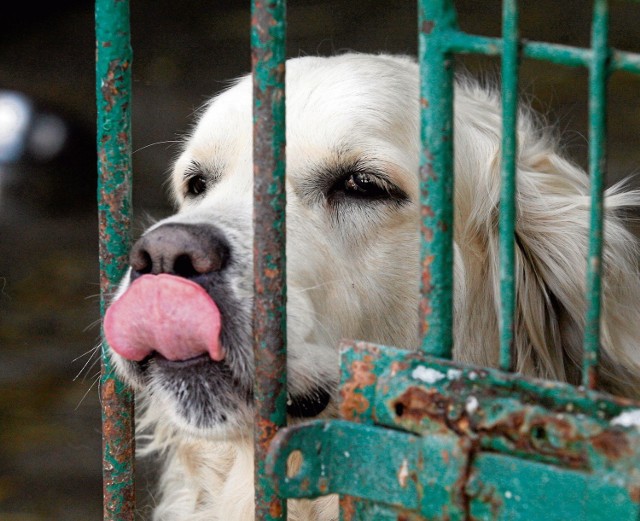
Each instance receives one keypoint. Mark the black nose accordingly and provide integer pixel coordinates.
(187, 250)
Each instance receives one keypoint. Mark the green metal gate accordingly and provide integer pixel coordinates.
(420, 437)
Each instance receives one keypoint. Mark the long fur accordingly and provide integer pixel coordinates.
(353, 270)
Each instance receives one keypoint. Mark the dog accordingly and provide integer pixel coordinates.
(180, 325)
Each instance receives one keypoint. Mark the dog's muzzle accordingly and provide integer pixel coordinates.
(165, 310)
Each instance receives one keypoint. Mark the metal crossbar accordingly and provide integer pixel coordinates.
(439, 39)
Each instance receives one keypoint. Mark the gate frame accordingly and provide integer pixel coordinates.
(439, 39)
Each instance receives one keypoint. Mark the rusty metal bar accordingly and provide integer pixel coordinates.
(268, 40)
(463, 43)
(598, 75)
(507, 224)
(436, 19)
(113, 91)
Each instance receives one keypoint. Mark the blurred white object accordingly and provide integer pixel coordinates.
(28, 132)
(16, 114)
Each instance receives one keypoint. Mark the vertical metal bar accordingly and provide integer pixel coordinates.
(510, 62)
(113, 88)
(268, 34)
(598, 75)
(435, 19)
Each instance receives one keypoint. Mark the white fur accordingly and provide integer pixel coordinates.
(353, 270)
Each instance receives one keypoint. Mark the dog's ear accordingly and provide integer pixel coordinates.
(552, 235)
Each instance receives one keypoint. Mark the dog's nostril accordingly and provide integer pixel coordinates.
(140, 261)
(183, 266)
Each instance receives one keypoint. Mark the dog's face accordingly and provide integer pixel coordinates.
(180, 327)
(182, 333)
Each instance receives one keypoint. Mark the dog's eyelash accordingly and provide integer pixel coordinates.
(364, 185)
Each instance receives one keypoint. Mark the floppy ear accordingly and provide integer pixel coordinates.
(551, 249)
(552, 231)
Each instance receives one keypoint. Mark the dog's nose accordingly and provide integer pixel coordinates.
(186, 250)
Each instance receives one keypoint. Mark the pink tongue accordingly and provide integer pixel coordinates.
(167, 314)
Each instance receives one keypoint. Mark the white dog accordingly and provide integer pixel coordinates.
(181, 328)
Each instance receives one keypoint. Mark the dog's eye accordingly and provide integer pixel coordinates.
(196, 185)
(365, 186)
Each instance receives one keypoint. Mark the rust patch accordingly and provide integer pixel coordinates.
(114, 76)
(491, 497)
(416, 404)
(275, 508)
(612, 444)
(397, 367)
(353, 402)
(427, 26)
(347, 508)
(634, 493)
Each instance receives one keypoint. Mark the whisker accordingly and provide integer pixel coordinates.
(93, 384)
(171, 142)
(89, 364)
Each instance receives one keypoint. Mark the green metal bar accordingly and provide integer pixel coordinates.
(463, 43)
(625, 61)
(268, 33)
(555, 53)
(507, 225)
(598, 74)
(113, 93)
(436, 18)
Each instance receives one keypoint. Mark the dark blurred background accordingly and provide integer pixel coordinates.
(183, 53)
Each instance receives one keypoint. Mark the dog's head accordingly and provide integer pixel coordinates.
(181, 325)
(352, 244)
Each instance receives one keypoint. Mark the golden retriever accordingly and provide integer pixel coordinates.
(180, 328)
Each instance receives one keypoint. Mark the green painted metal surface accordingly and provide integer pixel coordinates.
(450, 441)
(421, 437)
(113, 89)
(598, 74)
(269, 312)
(436, 20)
(507, 223)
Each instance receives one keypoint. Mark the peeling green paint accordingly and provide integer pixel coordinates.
(437, 18)
(269, 322)
(113, 89)
(451, 441)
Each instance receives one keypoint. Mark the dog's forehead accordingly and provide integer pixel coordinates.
(347, 105)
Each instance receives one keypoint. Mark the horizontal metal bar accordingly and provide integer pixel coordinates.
(625, 61)
(441, 476)
(459, 42)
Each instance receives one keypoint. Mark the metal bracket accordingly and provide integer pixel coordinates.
(440, 440)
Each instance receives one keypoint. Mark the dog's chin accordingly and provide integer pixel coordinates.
(237, 423)
(199, 397)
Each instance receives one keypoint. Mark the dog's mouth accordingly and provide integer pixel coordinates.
(169, 317)
(155, 358)
(170, 329)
